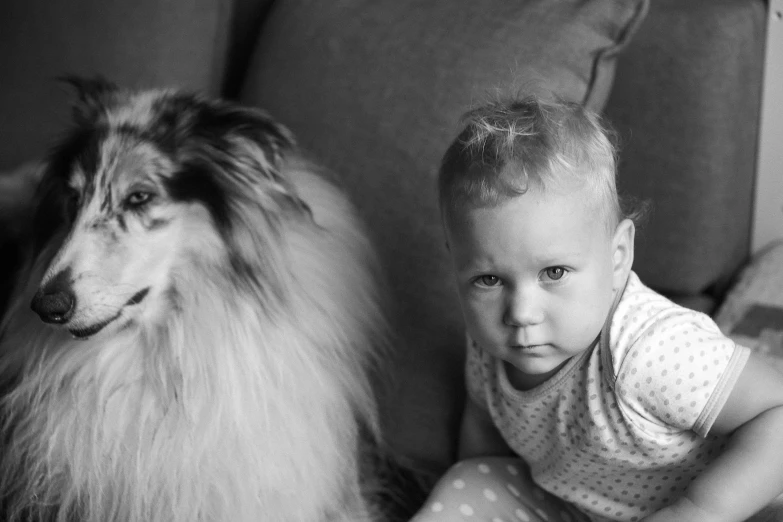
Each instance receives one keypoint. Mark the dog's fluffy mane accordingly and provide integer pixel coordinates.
(245, 396)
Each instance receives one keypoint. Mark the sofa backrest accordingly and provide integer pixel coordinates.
(143, 43)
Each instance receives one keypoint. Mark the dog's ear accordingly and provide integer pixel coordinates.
(272, 137)
(249, 131)
(245, 144)
(93, 94)
(255, 127)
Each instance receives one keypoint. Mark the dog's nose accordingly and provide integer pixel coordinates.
(55, 301)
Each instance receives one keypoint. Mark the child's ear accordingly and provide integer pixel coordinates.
(622, 252)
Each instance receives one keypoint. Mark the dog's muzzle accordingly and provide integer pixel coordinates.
(55, 301)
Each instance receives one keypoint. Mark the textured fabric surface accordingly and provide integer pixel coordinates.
(247, 18)
(374, 89)
(752, 313)
(686, 107)
(497, 489)
(139, 43)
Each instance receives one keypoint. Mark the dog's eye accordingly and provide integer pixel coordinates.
(138, 199)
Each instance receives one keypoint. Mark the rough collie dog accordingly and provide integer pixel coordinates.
(212, 311)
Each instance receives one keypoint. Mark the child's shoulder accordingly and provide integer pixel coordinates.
(661, 352)
(645, 322)
(644, 313)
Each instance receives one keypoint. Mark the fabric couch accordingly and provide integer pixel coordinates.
(374, 89)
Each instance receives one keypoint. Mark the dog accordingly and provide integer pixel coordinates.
(195, 332)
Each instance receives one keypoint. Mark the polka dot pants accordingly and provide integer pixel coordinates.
(493, 489)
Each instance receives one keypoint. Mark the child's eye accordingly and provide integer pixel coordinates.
(487, 280)
(555, 273)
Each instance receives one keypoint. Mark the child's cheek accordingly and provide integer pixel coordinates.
(483, 320)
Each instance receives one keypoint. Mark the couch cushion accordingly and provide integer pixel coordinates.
(686, 107)
(752, 313)
(139, 43)
(374, 89)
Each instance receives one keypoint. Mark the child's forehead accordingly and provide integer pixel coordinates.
(567, 203)
(581, 199)
(551, 219)
(525, 232)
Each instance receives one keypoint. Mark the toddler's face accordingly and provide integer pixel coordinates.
(536, 279)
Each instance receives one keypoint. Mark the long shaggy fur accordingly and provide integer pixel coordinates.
(215, 363)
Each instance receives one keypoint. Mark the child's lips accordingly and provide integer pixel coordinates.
(529, 346)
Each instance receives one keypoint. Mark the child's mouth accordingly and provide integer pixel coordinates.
(529, 346)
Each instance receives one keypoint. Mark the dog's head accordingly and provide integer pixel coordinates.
(144, 183)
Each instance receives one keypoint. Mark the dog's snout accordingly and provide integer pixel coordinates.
(55, 301)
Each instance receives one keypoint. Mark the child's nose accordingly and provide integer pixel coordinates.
(524, 308)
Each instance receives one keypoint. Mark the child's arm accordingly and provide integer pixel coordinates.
(749, 474)
(479, 437)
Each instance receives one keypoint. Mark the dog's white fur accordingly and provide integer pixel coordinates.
(213, 399)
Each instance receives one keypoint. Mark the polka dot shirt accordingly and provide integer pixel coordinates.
(623, 428)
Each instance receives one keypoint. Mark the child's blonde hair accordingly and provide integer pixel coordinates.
(505, 147)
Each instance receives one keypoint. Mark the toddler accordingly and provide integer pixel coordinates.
(615, 403)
